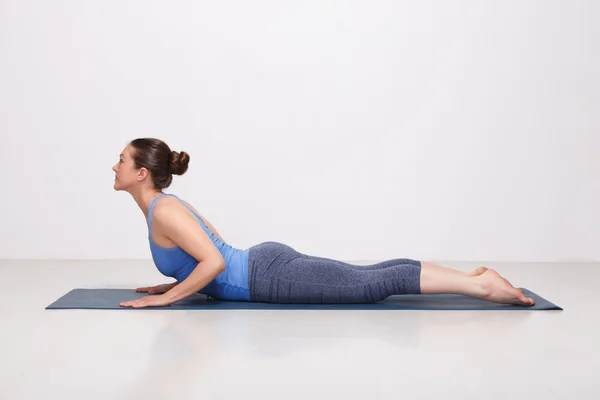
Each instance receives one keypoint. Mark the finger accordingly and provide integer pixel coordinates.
(130, 303)
(142, 289)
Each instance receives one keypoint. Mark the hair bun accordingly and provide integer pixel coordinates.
(179, 162)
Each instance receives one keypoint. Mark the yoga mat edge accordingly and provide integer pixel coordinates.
(109, 299)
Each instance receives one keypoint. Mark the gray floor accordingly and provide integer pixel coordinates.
(150, 354)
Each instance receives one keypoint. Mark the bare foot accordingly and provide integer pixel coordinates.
(477, 271)
(497, 289)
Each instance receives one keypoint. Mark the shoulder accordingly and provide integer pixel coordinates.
(165, 203)
(167, 208)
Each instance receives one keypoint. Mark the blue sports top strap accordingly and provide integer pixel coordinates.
(192, 211)
(181, 201)
(152, 207)
(186, 206)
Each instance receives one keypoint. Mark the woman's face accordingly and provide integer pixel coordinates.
(126, 175)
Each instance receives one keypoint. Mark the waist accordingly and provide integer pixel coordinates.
(236, 268)
(232, 283)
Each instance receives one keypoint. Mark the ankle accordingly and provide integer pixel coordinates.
(481, 288)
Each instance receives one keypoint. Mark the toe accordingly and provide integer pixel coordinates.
(523, 299)
(478, 271)
(519, 295)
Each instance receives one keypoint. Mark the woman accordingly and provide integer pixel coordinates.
(185, 246)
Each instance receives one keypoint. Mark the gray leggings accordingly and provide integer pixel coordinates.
(279, 274)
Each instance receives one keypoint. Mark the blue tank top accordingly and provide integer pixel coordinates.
(174, 262)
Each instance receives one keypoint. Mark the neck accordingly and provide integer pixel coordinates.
(144, 198)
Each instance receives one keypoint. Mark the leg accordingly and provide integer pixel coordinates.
(436, 279)
(482, 283)
(379, 265)
(389, 263)
(280, 274)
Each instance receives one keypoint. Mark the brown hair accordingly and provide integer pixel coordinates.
(156, 156)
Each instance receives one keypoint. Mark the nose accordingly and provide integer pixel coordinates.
(114, 168)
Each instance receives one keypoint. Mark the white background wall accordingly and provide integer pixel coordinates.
(359, 130)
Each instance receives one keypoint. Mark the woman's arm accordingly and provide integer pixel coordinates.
(180, 227)
(173, 221)
(201, 276)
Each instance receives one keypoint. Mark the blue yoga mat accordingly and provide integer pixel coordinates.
(109, 299)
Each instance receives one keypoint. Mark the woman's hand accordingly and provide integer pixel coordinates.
(159, 289)
(147, 301)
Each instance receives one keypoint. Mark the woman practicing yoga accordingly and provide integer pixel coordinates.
(186, 247)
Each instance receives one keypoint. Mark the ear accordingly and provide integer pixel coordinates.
(143, 173)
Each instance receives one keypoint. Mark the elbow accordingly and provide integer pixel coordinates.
(220, 266)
